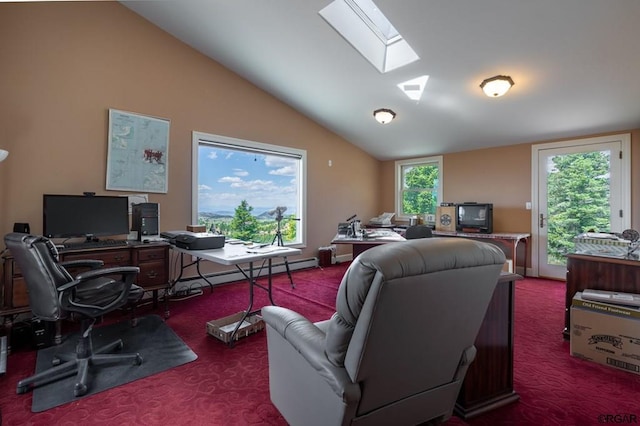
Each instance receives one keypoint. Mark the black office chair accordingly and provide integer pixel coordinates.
(418, 231)
(54, 294)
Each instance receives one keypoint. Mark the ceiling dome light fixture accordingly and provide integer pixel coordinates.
(497, 86)
(3, 154)
(384, 115)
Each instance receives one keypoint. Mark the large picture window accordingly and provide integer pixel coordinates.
(249, 190)
(418, 186)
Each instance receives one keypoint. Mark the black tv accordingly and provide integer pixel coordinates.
(90, 216)
(474, 217)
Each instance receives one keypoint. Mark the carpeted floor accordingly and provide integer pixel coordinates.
(229, 386)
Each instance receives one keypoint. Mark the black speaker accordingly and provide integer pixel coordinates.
(21, 227)
(145, 219)
(44, 333)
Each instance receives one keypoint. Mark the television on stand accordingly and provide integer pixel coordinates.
(474, 217)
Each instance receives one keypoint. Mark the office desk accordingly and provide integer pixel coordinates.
(236, 255)
(586, 271)
(378, 237)
(489, 381)
(508, 242)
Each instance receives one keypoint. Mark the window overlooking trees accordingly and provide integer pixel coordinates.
(419, 186)
(578, 199)
(238, 185)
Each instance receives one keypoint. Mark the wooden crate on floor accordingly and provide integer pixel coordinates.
(223, 327)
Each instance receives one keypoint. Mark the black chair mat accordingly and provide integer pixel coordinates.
(160, 348)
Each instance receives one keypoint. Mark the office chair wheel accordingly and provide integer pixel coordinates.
(22, 389)
(137, 360)
(80, 389)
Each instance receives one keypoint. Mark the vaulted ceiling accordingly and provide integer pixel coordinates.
(575, 64)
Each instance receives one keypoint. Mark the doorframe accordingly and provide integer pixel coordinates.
(625, 170)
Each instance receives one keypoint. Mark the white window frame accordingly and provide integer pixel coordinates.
(423, 161)
(242, 144)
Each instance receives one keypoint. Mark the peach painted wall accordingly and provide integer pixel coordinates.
(65, 64)
(502, 176)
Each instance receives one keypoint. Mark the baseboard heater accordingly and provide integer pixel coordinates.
(234, 275)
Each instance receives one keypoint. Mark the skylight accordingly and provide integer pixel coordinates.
(415, 87)
(366, 28)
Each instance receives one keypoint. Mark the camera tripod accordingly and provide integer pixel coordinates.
(277, 239)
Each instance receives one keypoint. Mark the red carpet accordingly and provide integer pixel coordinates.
(229, 386)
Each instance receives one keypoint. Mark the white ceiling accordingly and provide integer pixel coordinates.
(575, 63)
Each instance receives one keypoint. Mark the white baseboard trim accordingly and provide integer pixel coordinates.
(235, 275)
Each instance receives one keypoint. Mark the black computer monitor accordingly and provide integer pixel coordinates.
(66, 216)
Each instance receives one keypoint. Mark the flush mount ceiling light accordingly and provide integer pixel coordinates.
(3, 154)
(497, 86)
(384, 115)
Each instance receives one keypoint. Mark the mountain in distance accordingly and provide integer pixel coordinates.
(226, 214)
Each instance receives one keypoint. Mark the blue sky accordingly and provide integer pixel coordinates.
(226, 177)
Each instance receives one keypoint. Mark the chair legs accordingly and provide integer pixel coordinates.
(66, 365)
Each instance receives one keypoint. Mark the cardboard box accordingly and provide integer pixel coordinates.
(606, 334)
(196, 228)
(446, 218)
(223, 327)
(600, 246)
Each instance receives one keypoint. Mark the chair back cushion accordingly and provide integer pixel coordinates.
(37, 259)
(418, 231)
(407, 312)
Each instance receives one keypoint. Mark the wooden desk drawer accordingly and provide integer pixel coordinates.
(110, 258)
(156, 253)
(152, 274)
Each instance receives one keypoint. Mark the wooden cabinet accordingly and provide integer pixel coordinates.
(151, 258)
(489, 381)
(598, 273)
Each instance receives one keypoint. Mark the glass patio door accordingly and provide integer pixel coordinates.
(582, 185)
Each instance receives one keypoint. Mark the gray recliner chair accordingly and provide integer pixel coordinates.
(398, 347)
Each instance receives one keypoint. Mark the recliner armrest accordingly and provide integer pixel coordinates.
(308, 340)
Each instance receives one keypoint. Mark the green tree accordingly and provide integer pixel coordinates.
(420, 194)
(578, 200)
(289, 228)
(244, 225)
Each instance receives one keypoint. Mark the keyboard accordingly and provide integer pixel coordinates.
(94, 244)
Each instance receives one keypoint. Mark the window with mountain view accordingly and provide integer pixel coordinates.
(249, 190)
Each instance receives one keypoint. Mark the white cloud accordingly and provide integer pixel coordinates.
(284, 171)
(212, 155)
(229, 179)
(240, 172)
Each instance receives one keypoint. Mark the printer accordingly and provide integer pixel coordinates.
(197, 240)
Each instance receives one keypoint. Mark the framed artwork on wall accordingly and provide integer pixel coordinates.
(138, 152)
